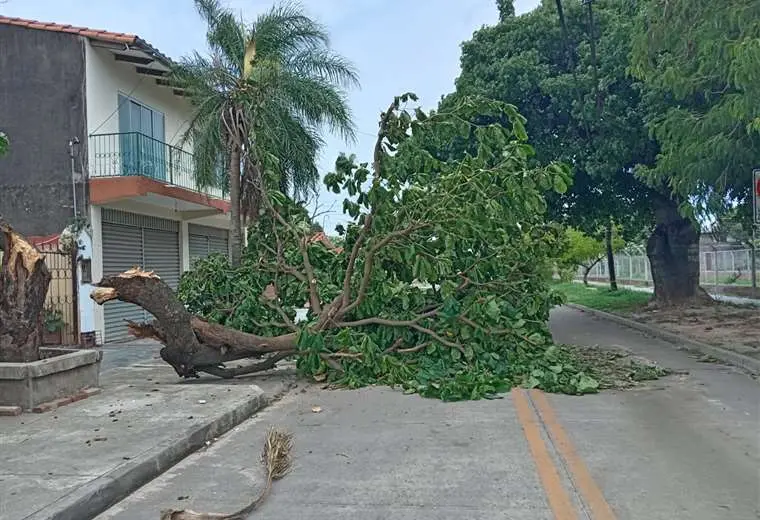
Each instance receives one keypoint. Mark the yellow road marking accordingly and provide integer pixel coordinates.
(589, 490)
(556, 494)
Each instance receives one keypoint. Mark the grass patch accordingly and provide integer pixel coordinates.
(602, 298)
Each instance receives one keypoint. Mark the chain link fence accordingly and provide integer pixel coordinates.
(732, 268)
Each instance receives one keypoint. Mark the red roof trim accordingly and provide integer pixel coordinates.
(94, 34)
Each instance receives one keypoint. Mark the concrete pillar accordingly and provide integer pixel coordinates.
(184, 245)
(96, 223)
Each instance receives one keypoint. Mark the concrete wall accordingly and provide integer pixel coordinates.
(42, 106)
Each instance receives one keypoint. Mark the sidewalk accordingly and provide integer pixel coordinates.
(73, 462)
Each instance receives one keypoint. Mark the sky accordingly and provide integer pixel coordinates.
(396, 47)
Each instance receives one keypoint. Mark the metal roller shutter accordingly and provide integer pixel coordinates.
(203, 241)
(131, 240)
(161, 252)
(122, 250)
(198, 246)
(219, 245)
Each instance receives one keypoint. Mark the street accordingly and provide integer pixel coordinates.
(685, 446)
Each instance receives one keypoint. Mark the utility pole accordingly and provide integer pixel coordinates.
(72, 155)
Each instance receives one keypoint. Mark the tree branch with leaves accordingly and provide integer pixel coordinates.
(440, 286)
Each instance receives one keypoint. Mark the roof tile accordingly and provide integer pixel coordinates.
(95, 34)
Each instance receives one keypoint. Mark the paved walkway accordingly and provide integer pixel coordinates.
(685, 447)
(84, 451)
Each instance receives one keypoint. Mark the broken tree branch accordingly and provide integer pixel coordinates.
(369, 263)
(24, 281)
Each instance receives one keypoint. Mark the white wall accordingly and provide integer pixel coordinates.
(97, 266)
(86, 305)
(106, 78)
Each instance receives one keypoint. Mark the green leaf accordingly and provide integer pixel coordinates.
(587, 385)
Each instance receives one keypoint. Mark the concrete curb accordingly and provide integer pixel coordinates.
(746, 363)
(91, 499)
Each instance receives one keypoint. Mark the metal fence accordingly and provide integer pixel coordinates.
(136, 154)
(715, 268)
(61, 298)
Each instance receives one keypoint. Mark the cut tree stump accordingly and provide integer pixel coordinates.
(24, 280)
(190, 343)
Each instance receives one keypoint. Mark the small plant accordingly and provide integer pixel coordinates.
(733, 278)
(53, 320)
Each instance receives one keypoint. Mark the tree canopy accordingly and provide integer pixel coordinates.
(586, 250)
(595, 124)
(700, 60)
(3, 144)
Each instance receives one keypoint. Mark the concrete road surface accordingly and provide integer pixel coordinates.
(685, 447)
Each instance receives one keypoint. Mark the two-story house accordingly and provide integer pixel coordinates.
(96, 131)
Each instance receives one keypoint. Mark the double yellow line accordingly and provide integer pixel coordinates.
(535, 413)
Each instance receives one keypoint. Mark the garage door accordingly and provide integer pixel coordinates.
(203, 241)
(131, 240)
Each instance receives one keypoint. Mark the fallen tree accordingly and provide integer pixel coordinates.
(24, 280)
(441, 287)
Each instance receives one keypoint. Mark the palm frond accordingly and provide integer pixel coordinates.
(226, 36)
(294, 143)
(324, 64)
(318, 102)
(285, 30)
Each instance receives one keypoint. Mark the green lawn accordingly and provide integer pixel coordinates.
(602, 298)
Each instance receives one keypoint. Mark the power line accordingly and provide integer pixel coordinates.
(118, 106)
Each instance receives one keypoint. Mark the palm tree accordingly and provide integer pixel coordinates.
(261, 98)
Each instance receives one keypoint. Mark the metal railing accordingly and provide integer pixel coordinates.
(136, 154)
(727, 267)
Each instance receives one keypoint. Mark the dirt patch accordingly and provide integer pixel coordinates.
(729, 326)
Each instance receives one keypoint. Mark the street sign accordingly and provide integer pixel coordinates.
(756, 194)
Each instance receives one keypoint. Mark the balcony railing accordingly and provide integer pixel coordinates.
(136, 154)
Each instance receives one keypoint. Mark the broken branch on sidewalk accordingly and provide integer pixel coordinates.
(277, 459)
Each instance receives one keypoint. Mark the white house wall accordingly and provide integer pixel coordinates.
(86, 305)
(106, 78)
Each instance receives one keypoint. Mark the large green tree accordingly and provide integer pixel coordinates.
(568, 76)
(261, 98)
(700, 61)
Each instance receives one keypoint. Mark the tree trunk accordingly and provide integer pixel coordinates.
(586, 271)
(24, 280)
(191, 344)
(236, 245)
(610, 256)
(673, 251)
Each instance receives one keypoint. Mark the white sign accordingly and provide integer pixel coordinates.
(756, 194)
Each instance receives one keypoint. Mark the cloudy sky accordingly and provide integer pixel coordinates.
(396, 46)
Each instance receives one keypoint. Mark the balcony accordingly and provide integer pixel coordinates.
(135, 154)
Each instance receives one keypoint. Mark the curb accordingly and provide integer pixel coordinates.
(94, 497)
(746, 363)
